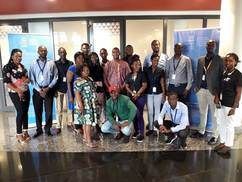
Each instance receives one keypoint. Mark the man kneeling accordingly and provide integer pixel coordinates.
(120, 112)
(173, 121)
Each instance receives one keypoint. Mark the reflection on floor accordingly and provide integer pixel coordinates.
(64, 158)
(68, 142)
(168, 166)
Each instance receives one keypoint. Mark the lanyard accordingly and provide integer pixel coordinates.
(175, 67)
(228, 74)
(173, 119)
(204, 67)
(41, 69)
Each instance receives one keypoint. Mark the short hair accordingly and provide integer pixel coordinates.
(85, 44)
(154, 56)
(211, 42)
(172, 93)
(79, 69)
(103, 49)
(129, 46)
(155, 41)
(116, 48)
(178, 44)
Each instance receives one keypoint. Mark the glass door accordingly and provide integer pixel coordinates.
(106, 35)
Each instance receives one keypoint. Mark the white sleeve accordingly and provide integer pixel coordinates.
(184, 120)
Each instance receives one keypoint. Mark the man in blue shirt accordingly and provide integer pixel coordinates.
(173, 120)
(43, 75)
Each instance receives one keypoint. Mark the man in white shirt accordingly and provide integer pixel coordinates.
(173, 120)
(155, 45)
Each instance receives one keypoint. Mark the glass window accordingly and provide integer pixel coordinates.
(5, 53)
(69, 35)
(180, 24)
(106, 35)
(140, 34)
(39, 27)
(213, 23)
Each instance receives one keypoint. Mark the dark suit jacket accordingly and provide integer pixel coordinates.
(214, 74)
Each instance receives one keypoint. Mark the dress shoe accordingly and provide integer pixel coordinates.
(118, 136)
(126, 139)
(224, 150)
(212, 141)
(37, 134)
(197, 135)
(218, 147)
(48, 133)
(58, 131)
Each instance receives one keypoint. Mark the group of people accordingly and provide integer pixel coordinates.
(109, 96)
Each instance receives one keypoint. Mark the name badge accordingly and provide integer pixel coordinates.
(64, 79)
(173, 76)
(116, 118)
(154, 90)
(41, 78)
(203, 77)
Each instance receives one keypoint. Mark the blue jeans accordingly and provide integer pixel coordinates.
(107, 128)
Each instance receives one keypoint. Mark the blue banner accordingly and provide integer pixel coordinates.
(29, 44)
(194, 42)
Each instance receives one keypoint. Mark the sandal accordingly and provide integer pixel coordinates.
(84, 140)
(91, 145)
(26, 136)
(20, 139)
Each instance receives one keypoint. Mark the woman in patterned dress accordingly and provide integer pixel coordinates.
(16, 78)
(86, 103)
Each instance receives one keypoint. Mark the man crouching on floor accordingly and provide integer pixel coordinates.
(173, 121)
(120, 112)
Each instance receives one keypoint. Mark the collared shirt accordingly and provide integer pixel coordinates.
(207, 64)
(154, 80)
(161, 64)
(178, 116)
(43, 74)
(115, 72)
(62, 70)
(123, 108)
(179, 71)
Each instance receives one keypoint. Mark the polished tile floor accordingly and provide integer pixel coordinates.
(68, 142)
(168, 166)
(65, 158)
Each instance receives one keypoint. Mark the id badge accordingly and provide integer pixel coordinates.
(154, 89)
(173, 76)
(64, 79)
(116, 118)
(203, 78)
(41, 78)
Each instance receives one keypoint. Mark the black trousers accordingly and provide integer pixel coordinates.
(22, 108)
(38, 102)
(179, 90)
(182, 134)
